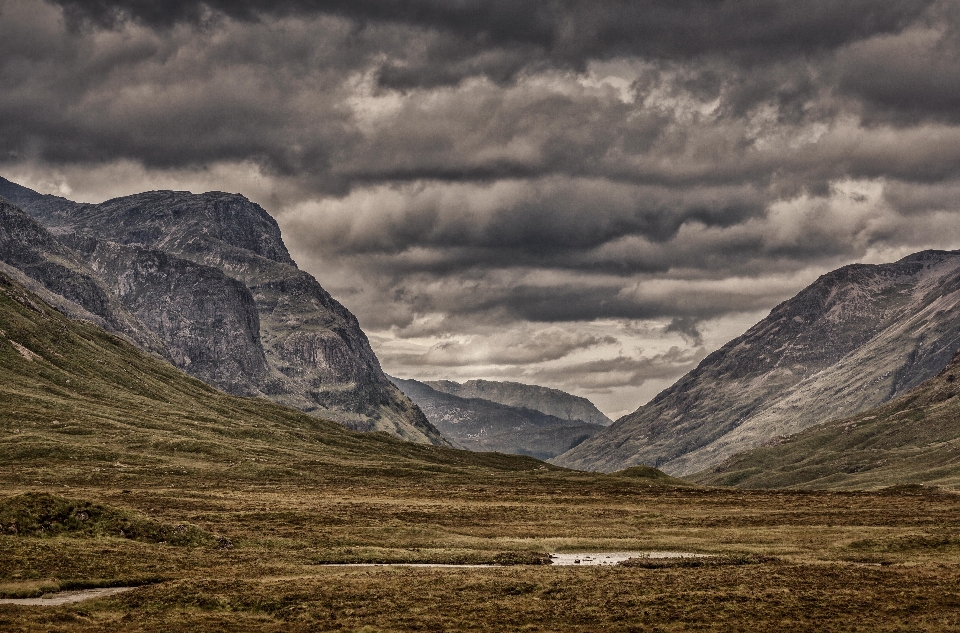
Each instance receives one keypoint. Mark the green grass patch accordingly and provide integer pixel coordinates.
(38, 514)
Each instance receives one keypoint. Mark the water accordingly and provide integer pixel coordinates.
(577, 558)
(66, 597)
(612, 558)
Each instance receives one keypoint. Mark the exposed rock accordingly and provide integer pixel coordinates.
(36, 258)
(207, 256)
(482, 425)
(855, 338)
(553, 402)
(207, 321)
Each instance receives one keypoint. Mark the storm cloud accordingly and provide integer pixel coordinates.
(587, 194)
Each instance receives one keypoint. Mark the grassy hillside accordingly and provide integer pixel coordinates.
(80, 406)
(914, 439)
(226, 514)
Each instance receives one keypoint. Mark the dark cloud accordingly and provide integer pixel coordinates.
(446, 167)
(572, 28)
(521, 223)
(905, 78)
(688, 327)
(625, 371)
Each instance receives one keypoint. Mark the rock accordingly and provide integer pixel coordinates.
(482, 425)
(858, 336)
(190, 265)
(34, 257)
(207, 321)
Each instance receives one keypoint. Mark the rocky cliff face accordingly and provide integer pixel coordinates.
(210, 276)
(514, 394)
(207, 321)
(37, 259)
(477, 424)
(855, 338)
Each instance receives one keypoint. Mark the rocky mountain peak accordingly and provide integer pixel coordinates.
(210, 276)
(180, 221)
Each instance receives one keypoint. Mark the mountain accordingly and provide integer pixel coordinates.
(30, 254)
(553, 402)
(482, 425)
(914, 439)
(855, 338)
(208, 276)
(80, 405)
(208, 321)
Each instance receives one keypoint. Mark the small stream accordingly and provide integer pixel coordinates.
(66, 597)
(613, 558)
(577, 558)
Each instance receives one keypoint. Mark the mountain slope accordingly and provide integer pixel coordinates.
(39, 259)
(81, 405)
(855, 338)
(207, 321)
(209, 274)
(514, 394)
(481, 425)
(914, 439)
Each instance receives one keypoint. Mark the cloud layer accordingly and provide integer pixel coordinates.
(558, 191)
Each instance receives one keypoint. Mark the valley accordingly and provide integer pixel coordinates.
(791, 561)
(235, 511)
(229, 513)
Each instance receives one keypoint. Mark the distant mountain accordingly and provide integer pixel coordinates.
(857, 337)
(208, 276)
(553, 402)
(914, 439)
(482, 425)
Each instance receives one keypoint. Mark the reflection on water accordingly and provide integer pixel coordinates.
(612, 558)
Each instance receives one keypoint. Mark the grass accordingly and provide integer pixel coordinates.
(47, 515)
(914, 439)
(105, 452)
(780, 560)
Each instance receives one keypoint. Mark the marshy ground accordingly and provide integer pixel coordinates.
(226, 514)
(259, 553)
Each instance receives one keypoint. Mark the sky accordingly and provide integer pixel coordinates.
(590, 195)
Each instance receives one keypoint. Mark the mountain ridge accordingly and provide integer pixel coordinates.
(211, 274)
(856, 337)
(546, 400)
(478, 424)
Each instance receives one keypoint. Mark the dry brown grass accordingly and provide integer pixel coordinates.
(806, 561)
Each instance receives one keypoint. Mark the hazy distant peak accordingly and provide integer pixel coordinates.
(543, 399)
(18, 195)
